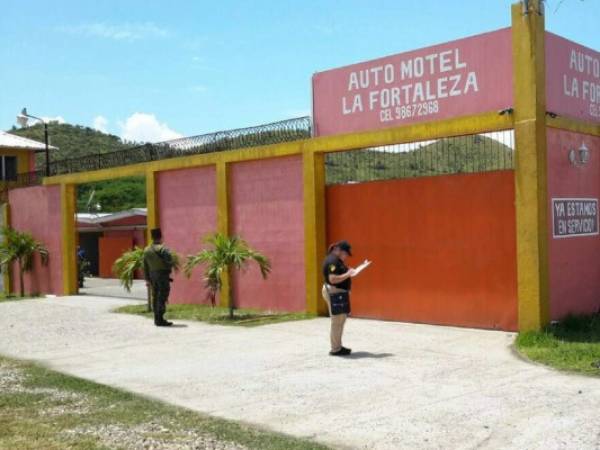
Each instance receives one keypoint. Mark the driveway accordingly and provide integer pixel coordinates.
(406, 387)
(111, 287)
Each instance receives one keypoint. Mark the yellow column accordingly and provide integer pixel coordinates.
(223, 221)
(6, 275)
(314, 228)
(152, 218)
(530, 165)
(69, 238)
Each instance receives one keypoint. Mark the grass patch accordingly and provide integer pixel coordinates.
(218, 315)
(40, 408)
(573, 344)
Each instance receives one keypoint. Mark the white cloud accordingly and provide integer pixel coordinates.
(121, 32)
(57, 119)
(100, 123)
(144, 127)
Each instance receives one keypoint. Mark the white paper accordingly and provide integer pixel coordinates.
(366, 263)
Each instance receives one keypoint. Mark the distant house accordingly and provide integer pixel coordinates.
(17, 155)
(104, 237)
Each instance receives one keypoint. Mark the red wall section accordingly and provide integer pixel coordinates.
(37, 210)
(267, 210)
(110, 249)
(574, 261)
(443, 248)
(187, 210)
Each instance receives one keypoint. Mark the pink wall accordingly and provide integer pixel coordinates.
(187, 211)
(37, 210)
(266, 210)
(574, 261)
(572, 79)
(458, 78)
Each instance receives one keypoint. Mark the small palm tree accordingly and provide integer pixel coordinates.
(132, 261)
(127, 264)
(20, 247)
(224, 252)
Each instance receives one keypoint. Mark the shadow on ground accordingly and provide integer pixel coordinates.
(368, 355)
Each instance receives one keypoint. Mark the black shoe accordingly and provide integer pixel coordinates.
(164, 323)
(341, 352)
(346, 351)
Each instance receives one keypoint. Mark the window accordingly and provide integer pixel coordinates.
(8, 168)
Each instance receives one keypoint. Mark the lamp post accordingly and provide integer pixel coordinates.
(22, 120)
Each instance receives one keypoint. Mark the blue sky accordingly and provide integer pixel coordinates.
(167, 68)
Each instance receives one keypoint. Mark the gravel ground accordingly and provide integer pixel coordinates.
(146, 436)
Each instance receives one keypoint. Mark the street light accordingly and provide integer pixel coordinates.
(22, 120)
(579, 157)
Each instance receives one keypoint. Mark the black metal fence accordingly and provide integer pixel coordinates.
(272, 133)
(452, 155)
(463, 154)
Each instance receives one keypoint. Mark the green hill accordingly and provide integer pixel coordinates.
(73, 141)
(465, 154)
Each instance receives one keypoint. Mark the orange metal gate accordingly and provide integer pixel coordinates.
(444, 248)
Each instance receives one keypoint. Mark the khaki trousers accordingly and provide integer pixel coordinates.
(337, 323)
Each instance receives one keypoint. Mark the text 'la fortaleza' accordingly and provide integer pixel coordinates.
(412, 87)
(582, 65)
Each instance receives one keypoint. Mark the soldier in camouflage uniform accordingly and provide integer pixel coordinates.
(158, 264)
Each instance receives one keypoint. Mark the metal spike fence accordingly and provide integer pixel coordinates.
(452, 155)
(273, 133)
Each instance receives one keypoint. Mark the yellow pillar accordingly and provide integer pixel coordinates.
(314, 228)
(223, 221)
(152, 218)
(69, 238)
(530, 165)
(6, 274)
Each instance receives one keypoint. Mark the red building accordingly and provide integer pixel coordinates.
(106, 236)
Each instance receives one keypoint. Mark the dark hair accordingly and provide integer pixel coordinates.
(342, 245)
(156, 234)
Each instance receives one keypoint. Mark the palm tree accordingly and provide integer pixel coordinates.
(132, 261)
(224, 252)
(127, 264)
(20, 247)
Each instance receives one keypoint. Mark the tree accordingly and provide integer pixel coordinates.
(224, 253)
(20, 247)
(132, 261)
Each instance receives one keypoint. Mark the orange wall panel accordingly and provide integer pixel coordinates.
(110, 249)
(443, 248)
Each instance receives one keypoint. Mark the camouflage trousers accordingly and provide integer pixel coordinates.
(161, 287)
